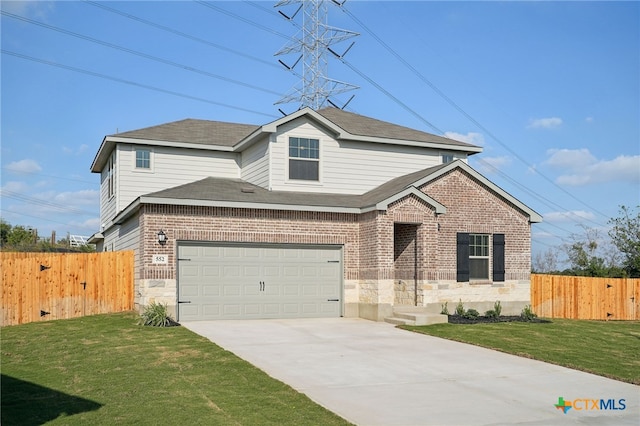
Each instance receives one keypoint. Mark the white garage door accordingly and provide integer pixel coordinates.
(226, 281)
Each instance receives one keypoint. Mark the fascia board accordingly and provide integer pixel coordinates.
(247, 205)
(110, 142)
(534, 217)
(384, 204)
(127, 212)
(273, 126)
(172, 144)
(433, 145)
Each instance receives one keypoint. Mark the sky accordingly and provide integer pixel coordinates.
(550, 90)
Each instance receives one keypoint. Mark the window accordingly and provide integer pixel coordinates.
(447, 158)
(478, 256)
(111, 176)
(143, 159)
(304, 159)
(472, 262)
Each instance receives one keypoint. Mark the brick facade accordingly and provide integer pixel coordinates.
(378, 246)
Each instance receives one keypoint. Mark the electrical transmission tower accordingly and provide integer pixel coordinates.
(313, 46)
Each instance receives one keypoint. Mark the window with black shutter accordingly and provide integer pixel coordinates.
(498, 257)
(462, 264)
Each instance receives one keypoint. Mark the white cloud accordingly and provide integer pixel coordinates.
(82, 197)
(15, 186)
(31, 8)
(24, 166)
(580, 167)
(568, 216)
(492, 164)
(471, 137)
(544, 123)
(71, 151)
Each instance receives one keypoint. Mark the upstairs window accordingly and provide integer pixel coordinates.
(111, 176)
(447, 158)
(143, 158)
(304, 159)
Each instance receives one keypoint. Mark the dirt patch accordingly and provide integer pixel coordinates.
(457, 319)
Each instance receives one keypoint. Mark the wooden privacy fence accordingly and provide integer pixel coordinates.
(557, 296)
(46, 286)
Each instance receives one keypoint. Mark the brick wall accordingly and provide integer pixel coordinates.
(378, 245)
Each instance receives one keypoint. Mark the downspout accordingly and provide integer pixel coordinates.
(415, 268)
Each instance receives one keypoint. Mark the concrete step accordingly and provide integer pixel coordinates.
(416, 318)
(399, 321)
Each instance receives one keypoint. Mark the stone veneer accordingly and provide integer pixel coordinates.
(378, 274)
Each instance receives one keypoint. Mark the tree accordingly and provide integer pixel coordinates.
(625, 235)
(546, 262)
(591, 255)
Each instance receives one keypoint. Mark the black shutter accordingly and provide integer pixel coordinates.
(498, 257)
(462, 250)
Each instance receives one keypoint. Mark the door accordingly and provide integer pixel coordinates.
(242, 281)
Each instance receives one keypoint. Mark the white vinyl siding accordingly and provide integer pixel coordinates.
(171, 167)
(255, 164)
(346, 167)
(108, 186)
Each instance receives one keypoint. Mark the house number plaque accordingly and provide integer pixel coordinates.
(160, 259)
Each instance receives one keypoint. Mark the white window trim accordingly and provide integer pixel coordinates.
(488, 257)
(303, 182)
(151, 160)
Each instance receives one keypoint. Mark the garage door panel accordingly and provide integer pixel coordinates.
(228, 282)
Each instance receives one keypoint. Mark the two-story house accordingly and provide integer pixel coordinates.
(318, 213)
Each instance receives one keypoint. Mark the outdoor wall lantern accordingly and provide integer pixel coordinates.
(162, 238)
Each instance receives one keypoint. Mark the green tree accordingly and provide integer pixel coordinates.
(625, 235)
(591, 255)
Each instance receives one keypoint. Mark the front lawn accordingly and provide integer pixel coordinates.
(105, 369)
(606, 348)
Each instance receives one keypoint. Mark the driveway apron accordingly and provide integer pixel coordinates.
(372, 373)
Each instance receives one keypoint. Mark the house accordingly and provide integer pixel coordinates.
(316, 214)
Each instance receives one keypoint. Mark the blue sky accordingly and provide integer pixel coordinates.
(551, 90)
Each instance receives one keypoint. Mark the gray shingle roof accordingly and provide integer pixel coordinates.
(229, 134)
(194, 131)
(370, 127)
(237, 190)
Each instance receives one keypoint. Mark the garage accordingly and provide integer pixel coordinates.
(249, 281)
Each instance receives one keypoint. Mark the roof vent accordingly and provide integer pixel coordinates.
(247, 190)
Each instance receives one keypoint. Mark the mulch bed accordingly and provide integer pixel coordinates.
(457, 319)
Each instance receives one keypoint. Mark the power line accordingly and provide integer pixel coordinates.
(132, 83)
(48, 220)
(180, 33)
(461, 110)
(233, 15)
(140, 54)
(43, 203)
(9, 169)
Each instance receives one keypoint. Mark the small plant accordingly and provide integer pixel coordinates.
(527, 313)
(445, 309)
(497, 308)
(491, 314)
(156, 315)
(460, 308)
(471, 314)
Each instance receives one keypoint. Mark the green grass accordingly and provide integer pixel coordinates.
(106, 369)
(609, 349)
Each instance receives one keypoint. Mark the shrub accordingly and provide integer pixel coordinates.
(497, 308)
(445, 309)
(491, 314)
(527, 314)
(471, 314)
(460, 308)
(156, 315)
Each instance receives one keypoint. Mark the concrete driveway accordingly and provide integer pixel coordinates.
(374, 374)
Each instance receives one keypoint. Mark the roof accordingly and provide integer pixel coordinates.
(225, 192)
(203, 132)
(218, 135)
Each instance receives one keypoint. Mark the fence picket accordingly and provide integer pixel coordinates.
(58, 290)
(558, 296)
